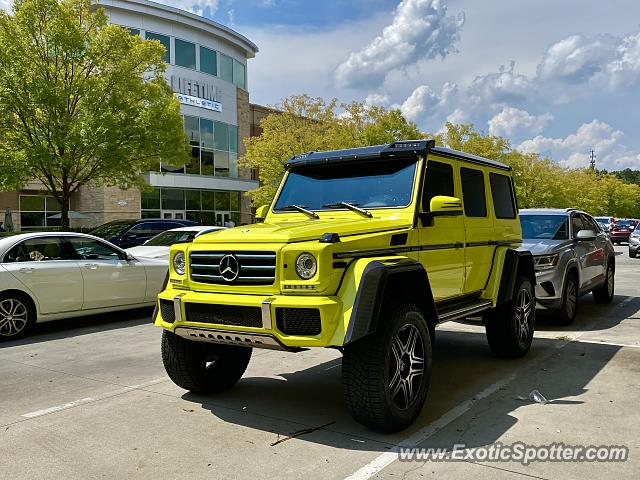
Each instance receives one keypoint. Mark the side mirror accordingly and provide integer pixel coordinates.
(442, 205)
(586, 236)
(129, 257)
(261, 212)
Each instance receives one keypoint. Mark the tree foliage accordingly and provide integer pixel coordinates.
(543, 183)
(81, 101)
(311, 124)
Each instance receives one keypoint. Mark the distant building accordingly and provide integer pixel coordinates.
(208, 73)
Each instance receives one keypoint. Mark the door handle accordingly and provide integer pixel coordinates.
(91, 266)
(27, 270)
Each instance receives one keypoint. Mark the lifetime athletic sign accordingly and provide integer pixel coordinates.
(195, 93)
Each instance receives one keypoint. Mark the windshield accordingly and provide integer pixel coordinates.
(623, 223)
(550, 227)
(109, 230)
(376, 184)
(168, 238)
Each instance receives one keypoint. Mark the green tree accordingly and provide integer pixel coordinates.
(304, 124)
(81, 102)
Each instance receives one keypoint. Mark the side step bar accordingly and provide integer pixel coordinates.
(464, 310)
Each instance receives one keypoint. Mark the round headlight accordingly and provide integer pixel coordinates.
(306, 266)
(179, 263)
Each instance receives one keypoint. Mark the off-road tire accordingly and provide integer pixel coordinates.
(203, 367)
(569, 309)
(17, 315)
(605, 293)
(369, 366)
(509, 332)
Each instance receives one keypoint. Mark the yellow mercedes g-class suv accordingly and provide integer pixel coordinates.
(364, 250)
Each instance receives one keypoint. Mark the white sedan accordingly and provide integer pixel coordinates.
(159, 246)
(51, 275)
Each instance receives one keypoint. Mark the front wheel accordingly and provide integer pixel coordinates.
(510, 327)
(17, 316)
(632, 253)
(567, 313)
(203, 367)
(604, 293)
(386, 375)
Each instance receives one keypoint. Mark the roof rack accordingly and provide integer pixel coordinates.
(401, 148)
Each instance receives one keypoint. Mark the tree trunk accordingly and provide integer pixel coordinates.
(64, 210)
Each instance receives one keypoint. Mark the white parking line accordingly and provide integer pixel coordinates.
(65, 406)
(423, 434)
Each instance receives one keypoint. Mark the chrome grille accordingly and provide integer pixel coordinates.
(255, 268)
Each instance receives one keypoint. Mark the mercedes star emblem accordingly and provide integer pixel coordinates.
(229, 268)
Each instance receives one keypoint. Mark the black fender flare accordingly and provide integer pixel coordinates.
(516, 263)
(388, 280)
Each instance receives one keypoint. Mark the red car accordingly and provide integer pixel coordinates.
(621, 229)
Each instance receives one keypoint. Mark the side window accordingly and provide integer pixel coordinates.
(473, 197)
(37, 250)
(502, 194)
(90, 249)
(576, 224)
(145, 229)
(438, 181)
(590, 223)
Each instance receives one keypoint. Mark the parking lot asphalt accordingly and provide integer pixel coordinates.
(89, 398)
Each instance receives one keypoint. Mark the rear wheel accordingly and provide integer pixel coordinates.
(17, 315)
(510, 327)
(604, 293)
(567, 313)
(203, 367)
(386, 375)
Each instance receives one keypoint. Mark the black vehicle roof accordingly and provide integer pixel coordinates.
(129, 221)
(402, 148)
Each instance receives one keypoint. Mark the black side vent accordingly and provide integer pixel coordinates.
(298, 321)
(399, 239)
(167, 311)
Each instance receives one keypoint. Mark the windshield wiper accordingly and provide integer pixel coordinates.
(300, 209)
(351, 206)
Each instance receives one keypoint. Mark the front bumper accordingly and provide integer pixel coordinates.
(268, 334)
(549, 288)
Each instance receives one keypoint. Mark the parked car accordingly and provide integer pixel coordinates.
(572, 257)
(51, 275)
(158, 247)
(604, 222)
(620, 230)
(365, 250)
(131, 233)
(634, 243)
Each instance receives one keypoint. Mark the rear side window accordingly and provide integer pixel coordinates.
(438, 181)
(502, 194)
(475, 202)
(37, 250)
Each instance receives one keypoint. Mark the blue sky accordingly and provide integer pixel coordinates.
(555, 77)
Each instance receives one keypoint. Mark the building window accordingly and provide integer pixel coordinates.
(226, 68)
(165, 41)
(239, 74)
(185, 54)
(208, 61)
(36, 210)
(132, 31)
(206, 207)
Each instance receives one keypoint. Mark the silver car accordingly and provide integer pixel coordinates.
(572, 257)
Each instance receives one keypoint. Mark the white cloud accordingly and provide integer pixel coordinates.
(513, 122)
(199, 7)
(420, 29)
(573, 150)
(377, 99)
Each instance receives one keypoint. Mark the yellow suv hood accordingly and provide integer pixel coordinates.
(294, 230)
